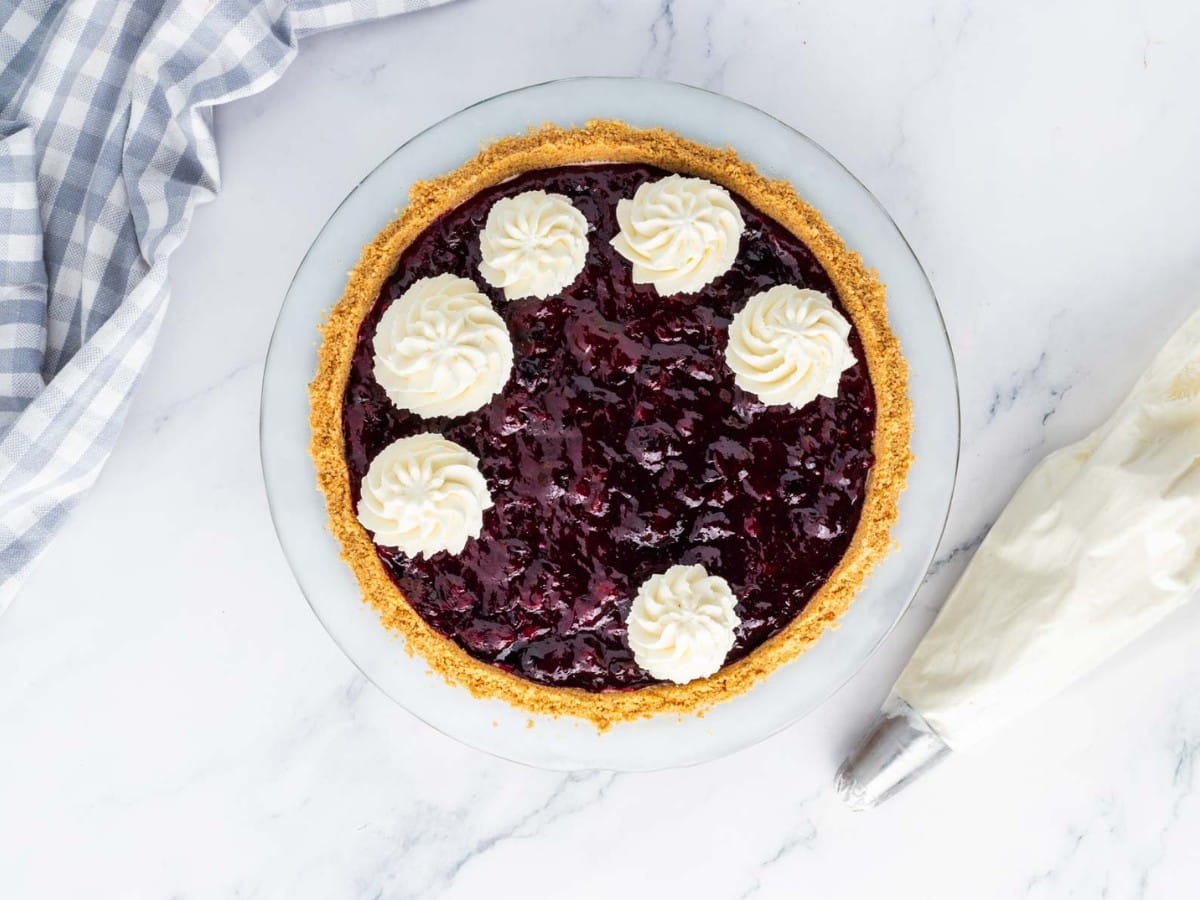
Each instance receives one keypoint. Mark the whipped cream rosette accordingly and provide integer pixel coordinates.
(679, 233)
(440, 348)
(789, 345)
(533, 244)
(424, 494)
(681, 624)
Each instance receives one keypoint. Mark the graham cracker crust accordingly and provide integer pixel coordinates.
(861, 293)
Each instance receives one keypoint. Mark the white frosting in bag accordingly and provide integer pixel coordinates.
(1100, 543)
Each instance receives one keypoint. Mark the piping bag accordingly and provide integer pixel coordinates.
(1099, 543)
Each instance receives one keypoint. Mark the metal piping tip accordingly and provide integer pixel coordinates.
(898, 748)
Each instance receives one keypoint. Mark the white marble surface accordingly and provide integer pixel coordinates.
(175, 723)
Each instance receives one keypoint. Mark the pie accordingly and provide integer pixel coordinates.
(609, 424)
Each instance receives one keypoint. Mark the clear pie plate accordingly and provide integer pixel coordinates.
(793, 690)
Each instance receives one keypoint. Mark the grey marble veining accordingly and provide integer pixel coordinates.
(175, 723)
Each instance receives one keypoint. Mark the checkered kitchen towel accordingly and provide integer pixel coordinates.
(105, 149)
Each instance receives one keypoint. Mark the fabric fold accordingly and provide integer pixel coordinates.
(106, 148)
(22, 275)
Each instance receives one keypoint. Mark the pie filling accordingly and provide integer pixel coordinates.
(620, 447)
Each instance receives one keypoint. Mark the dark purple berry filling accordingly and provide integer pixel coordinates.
(620, 447)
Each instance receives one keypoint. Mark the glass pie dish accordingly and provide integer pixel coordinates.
(564, 743)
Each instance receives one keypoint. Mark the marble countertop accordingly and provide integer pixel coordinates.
(176, 723)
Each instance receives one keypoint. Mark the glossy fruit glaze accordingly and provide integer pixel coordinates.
(619, 447)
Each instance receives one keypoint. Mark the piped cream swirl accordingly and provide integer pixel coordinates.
(440, 348)
(680, 233)
(681, 625)
(789, 345)
(533, 244)
(424, 494)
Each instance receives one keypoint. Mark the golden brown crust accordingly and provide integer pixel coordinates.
(861, 293)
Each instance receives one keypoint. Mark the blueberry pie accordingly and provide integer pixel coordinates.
(609, 424)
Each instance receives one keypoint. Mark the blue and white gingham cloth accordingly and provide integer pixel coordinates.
(105, 149)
